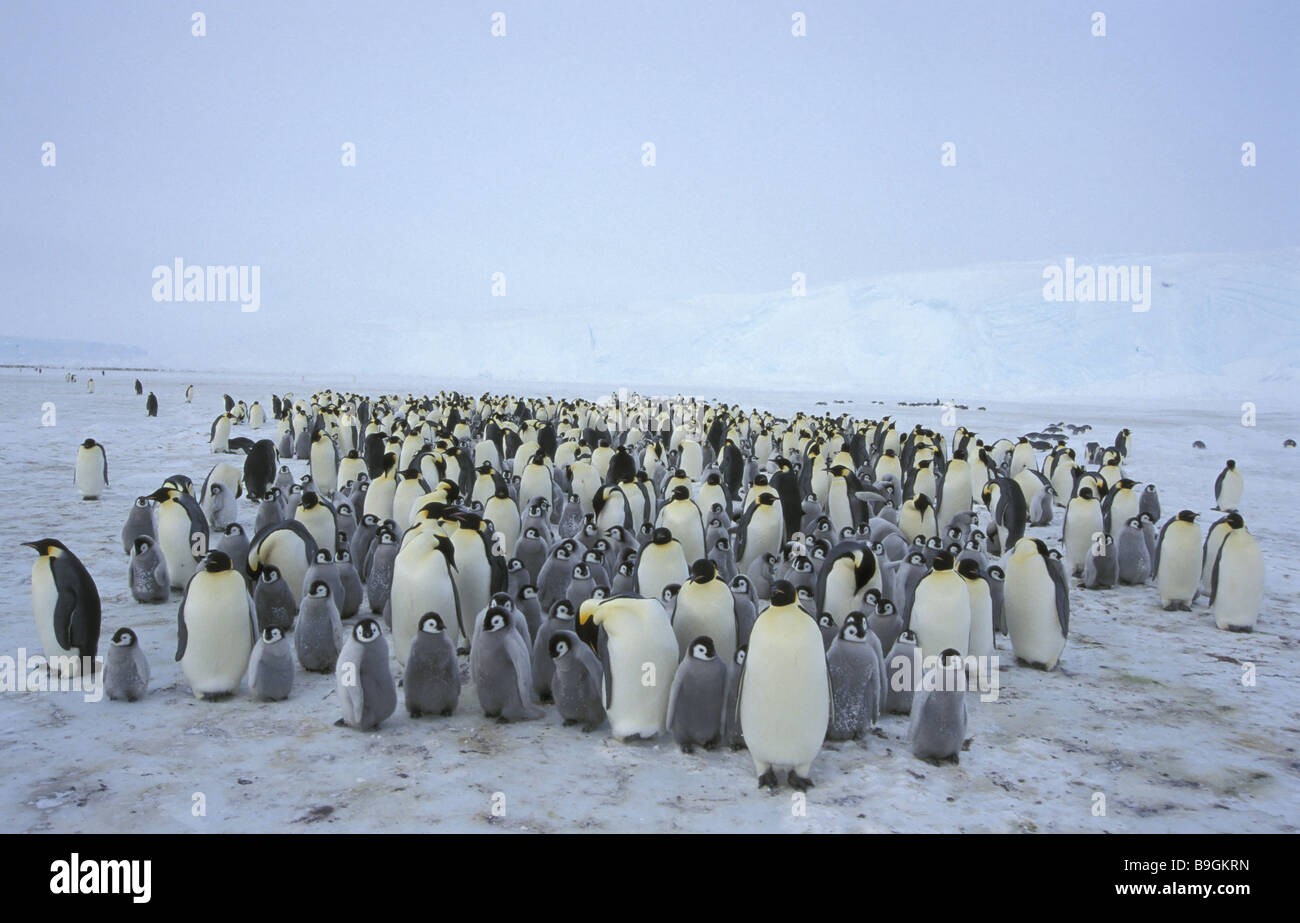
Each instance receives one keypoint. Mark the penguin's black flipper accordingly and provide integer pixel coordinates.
(602, 650)
(182, 636)
(104, 455)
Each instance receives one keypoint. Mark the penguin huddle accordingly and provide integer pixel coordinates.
(661, 566)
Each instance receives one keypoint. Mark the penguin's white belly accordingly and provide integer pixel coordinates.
(680, 519)
(45, 596)
(505, 517)
(1030, 610)
(419, 588)
(536, 482)
(90, 474)
(174, 539)
(1084, 522)
(785, 704)
(320, 523)
(219, 637)
(639, 707)
(981, 620)
(842, 596)
(323, 472)
(763, 536)
(941, 616)
(657, 569)
(404, 497)
(349, 470)
(841, 513)
(1180, 565)
(221, 437)
(1230, 491)
(710, 613)
(486, 451)
(956, 493)
(379, 498)
(473, 575)
(692, 460)
(286, 551)
(1240, 591)
(1124, 508)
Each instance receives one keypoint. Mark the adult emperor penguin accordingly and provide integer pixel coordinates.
(1178, 561)
(423, 582)
(785, 691)
(317, 516)
(1237, 581)
(126, 670)
(66, 605)
(916, 517)
(91, 476)
(324, 462)
(219, 434)
(941, 610)
(216, 629)
(182, 533)
(639, 656)
(1227, 487)
(1037, 605)
(662, 562)
(849, 571)
(682, 518)
(759, 531)
(1083, 521)
(366, 689)
(705, 606)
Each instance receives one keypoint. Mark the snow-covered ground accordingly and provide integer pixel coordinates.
(1147, 708)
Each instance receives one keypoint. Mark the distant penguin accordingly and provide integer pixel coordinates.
(432, 679)
(501, 667)
(365, 684)
(1178, 561)
(732, 734)
(696, 701)
(91, 475)
(1037, 605)
(151, 405)
(1237, 581)
(577, 682)
(937, 728)
(640, 643)
(273, 601)
(139, 388)
(65, 603)
(785, 695)
(855, 681)
(216, 629)
(126, 669)
(189, 394)
(316, 634)
(1228, 487)
(271, 667)
(147, 572)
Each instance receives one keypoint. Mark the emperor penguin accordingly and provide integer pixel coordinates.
(273, 602)
(424, 581)
(365, 684)
(501, 668)
(981, 610)
(1120, 504)
(289, 547)
(696, 699)
(1237, 581)
(785, 692)
(182, 533)
(901, 669)
(1037, 605)
(662, 562)
(1083, 521)
(561, 618)
(1178, 563)
(219, 434)
(317, 630)
(271, 667)
(681, 517)
(324, 462)
(941, 610)
(577, 682)
(91, 476)
(759, 532)
(849, 571)
(937, 728)
(126, 669)
(1101, 570)
(705, 606)
(1227, 487)
(639, 645)
(732, 734)
(147, 572)
(855, 676)
(432, 678)
(916, 517)
(216, 629)
(317, 516)
(65, 603)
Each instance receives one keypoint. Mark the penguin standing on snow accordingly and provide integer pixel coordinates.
(432, 678)
(1228, 487)
(151, 405)
(937, 728)
(1237, 581)
(126, 670)
(147, 572)
(1178, 564)
(216, 629)
(1037, 605)
(577, 681)
(270, 668)
(697, 697)
(91, 475)
(365, 684)
(66, 605)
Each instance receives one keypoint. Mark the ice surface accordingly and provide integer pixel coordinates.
(1147, 708)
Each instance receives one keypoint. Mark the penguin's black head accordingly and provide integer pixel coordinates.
(323, 556)
(124, 637)
(1187, 516)
(1085, 493)
(740, 583)
(766, 499)
(703, 570)
(783, 593)
(142, 544)
(885, 608)
(269, 573)
(528, 591)
(916, 558)
(670, 592)
(562, 609)
(825, 620)
(496, 619)
(950, 657)
(216, 562)
(309, 499)
(271, 634)
(854, 627)
(431, 623)
(1231, 463)
(681, 492)
(88, 444)
(969, 568)
(367, 631)
(561, 643)
(1134, 523)
(760, 480)
(702, 648)
(942, 561)
(319, 590)
(1235, 520)
(661, 536)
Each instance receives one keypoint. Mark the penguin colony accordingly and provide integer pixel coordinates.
(724, 576)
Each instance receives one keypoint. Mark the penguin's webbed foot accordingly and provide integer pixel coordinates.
(769, 781)
(570, 722)
(688, 748)
(340, 723)
(798, 782)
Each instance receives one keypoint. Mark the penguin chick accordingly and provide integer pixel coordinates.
(432, 679)
(577, 682)
(126, 669)
(365, 683)
(938, 724)
(696, 700)
(270, 668)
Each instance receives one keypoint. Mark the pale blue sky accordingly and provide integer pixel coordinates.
(522, 154)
